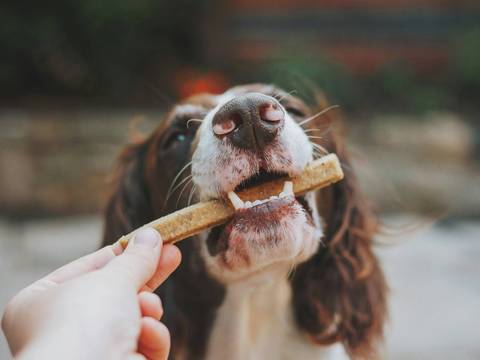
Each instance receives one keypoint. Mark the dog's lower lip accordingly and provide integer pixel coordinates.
(262, 217)
(300, 199)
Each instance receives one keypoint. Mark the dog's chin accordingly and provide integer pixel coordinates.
(276, 234)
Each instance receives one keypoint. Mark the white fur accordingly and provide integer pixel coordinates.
(256, 321)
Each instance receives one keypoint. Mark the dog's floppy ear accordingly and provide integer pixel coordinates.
(128, 206)
(340, 293)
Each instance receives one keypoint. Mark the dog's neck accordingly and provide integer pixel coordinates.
(255, 321)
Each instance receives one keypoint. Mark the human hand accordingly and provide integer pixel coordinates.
(100, 306)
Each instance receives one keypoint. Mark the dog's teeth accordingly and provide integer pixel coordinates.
(287, 188)
(239, 204)
(236, 201)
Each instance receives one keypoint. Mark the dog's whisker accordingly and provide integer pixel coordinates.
(291, 270)
(277, 97)
(190, 197)
(315, 137)
(317, 155)
(321, 153)
(312, 130)
(178, 185)
(185, 186)
(176, 178)
(181, 171)
(319, 148)
(324, 111)
(313, 143)
(194, 120)
(291, 92)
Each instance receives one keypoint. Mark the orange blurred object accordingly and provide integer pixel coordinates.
(189, 82)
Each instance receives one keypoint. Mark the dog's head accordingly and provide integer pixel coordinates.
(211, 146)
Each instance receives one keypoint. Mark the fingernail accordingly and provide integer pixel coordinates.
(147, 237)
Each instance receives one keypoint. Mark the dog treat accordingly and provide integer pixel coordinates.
(194, 219)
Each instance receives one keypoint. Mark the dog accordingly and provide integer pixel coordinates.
(288, 278)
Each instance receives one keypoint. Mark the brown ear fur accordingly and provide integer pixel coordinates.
(129, 205)
(340, 293)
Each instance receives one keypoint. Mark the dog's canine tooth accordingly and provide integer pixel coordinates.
(288, 188)
(235, 200)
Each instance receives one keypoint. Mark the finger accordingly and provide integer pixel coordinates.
(169, 261)
(150, 305)
(137, 264)
(154, 340)
(85, 264)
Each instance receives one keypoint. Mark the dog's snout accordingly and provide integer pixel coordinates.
(250, 121)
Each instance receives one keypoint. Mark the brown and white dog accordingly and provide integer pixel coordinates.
(287, 278)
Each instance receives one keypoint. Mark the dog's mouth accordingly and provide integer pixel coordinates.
(260, 224)
(268, 204)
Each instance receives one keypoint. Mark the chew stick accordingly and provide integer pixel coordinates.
(194, 219)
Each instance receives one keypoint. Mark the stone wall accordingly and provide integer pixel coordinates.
(426, 164)
(58, 162)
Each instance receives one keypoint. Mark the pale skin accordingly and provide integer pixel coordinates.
(100, 306)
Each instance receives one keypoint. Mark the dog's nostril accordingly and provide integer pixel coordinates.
(224, 127)
(271, 113)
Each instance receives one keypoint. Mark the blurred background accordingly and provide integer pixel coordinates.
(75, 76)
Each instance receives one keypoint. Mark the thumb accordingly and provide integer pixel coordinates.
(137, 264)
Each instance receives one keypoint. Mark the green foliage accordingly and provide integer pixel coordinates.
(396, 84)
(426, 98)
(306, 74)
(91, 46)
(466, 59)
(395, 80)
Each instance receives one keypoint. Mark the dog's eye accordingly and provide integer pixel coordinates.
(295, 111)
(174, 138)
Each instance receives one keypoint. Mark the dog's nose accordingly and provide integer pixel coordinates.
(250, 121)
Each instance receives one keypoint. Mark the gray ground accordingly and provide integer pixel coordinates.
(433, 274)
